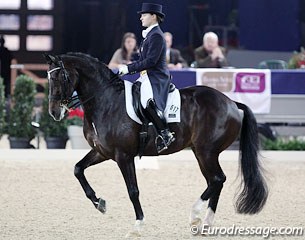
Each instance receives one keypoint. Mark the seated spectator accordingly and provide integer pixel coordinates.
(127, 53)
(173, 56)
(5, 66)
(210, 54)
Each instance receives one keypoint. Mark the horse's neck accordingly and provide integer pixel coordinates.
(99, 95)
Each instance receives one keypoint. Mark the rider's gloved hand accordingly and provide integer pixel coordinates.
(123, 70)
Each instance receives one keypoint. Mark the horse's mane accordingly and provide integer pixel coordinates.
(101, 67)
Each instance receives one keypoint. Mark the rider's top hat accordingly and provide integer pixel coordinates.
(152, 8)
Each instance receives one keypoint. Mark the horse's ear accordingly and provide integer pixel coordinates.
(49, 58)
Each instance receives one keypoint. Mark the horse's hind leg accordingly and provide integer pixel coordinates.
(215, 178)
(90, 159)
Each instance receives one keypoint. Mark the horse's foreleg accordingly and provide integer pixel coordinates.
(90, 159)
(127, 168)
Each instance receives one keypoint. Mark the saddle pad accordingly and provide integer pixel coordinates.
(172, 110)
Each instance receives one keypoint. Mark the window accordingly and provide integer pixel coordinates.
(39, 43)
(9, 22)
(12, 42)
(10, 4)
(29, 27)
(39, 22)
(40, 5)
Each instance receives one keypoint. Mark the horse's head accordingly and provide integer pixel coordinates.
(62, 83)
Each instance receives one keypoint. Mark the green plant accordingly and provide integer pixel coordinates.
(282, 144)
(21, 113)
(2, 109)
(297, 60)
(48, 125)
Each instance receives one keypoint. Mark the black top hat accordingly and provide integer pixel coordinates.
(152, 8)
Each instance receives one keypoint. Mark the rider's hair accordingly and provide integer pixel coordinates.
(160, 19)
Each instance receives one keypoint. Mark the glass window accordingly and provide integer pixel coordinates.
(40, 4)
(40, 22)
(9, 22)
(39, 43)
(12, 42)
(9, 4)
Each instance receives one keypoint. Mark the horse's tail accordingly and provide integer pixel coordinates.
(255, 191)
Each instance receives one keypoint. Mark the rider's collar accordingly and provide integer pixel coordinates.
(147, 30)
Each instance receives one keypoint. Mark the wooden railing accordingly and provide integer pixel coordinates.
(27, 69)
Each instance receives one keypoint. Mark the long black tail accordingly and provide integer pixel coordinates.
(255, 191)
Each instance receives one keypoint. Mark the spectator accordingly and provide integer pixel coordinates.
(210, 54)
(174, 59)
(5, 66)
(127, 53)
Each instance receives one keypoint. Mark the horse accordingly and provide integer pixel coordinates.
(210, 122)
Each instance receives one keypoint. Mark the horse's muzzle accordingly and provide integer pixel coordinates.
(57, 113)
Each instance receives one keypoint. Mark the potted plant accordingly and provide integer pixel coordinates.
(2, 108)
(297, 60)
(75, 122)
(55, 133)
(20, 130)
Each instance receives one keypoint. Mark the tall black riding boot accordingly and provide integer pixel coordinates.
(165, 137)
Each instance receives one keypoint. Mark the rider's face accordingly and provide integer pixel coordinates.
(148, 19)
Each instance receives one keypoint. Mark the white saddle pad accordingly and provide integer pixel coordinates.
(172, 110)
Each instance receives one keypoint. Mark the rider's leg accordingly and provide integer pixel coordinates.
(165, 137)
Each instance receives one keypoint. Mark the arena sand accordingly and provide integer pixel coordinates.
(41, 199)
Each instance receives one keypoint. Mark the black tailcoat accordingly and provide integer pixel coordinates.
(153, 60)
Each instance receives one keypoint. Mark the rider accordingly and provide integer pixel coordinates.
(154, 72)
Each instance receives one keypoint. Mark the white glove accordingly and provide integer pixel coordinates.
(123, 70)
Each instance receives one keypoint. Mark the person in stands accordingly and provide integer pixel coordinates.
(126, 53)
(210, 54)
(174, 59)
(5, 66)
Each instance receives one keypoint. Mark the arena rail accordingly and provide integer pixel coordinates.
(27, 69)
(287, 99)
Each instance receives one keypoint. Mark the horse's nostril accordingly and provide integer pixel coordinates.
(52, 113)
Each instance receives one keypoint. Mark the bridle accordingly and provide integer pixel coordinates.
(64, 99)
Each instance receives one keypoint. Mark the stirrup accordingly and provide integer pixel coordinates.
(161, 144)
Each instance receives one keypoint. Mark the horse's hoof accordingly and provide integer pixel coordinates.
(133, 234)
(196, 226)
(137, 229)
(101, 205)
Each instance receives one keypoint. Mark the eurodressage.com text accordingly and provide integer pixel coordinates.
(234, 230)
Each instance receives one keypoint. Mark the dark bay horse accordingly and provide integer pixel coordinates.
(210, 122)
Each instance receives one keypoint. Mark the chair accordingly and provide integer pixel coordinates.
(273, 64)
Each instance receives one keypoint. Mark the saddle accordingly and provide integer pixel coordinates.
(140, 112)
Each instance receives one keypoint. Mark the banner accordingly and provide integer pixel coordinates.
(249, 86)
